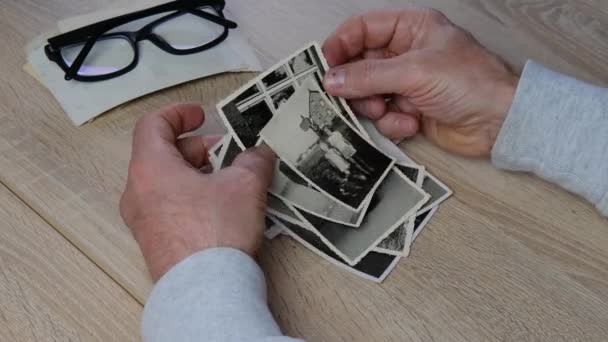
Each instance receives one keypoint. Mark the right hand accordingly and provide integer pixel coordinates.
(437, 77)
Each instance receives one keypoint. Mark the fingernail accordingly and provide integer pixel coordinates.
(335, 78)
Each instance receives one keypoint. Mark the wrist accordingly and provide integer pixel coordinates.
(505, 94)
(164, 248)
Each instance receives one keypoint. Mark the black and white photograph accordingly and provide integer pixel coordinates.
(231, 151)
(248, 94)
(302, 63)
(272, 229)
(281, 96)
(247, 110)
(290, 187)
(438, 191)
(398, 242)
(395, 200)
(276, 205)
(315, 56)
(215, 153)
(374, 266)
(422, 220)
(278, 208)
(217, 148)
(275, 77)
(246, 120)
(310, 136)
(412, 172)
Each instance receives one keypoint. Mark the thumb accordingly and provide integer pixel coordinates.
(370, 77)
(258, 160)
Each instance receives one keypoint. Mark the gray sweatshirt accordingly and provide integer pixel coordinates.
(557, 128)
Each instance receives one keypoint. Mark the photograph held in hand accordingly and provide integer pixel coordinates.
(247, 110)
(374, 266)
(311, 137)
(290, 187)
(395, 200)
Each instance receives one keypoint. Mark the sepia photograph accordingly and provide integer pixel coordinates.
(438, 191)
(399, 241)
(292, 188)
(247, 110)
(422, 220)
(396, 200)
(311, 137)
(374, 266)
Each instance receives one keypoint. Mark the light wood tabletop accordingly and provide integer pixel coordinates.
(508, 258)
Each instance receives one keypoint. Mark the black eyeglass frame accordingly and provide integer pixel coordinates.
(90, 34)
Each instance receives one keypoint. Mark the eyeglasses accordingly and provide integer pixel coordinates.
(100, 51)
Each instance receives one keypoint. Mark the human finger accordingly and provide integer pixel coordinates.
(157, 132)
(397, 126)
(195, 149)
(395, 30)
(372, 107)
(369, 77)
(259, 161)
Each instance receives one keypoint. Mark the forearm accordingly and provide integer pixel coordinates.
(215, 295)
(557, 128)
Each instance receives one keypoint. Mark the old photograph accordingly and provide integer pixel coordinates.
(311, 137)
(415, 173)
(231, 151)
(247, 110)
(422, 220)
(438, 191)
(278, 208)
(298, 193)
(217, 148)
(292, 188)
(272, 228)
(398, 242)
(374, 266)
(393, 203)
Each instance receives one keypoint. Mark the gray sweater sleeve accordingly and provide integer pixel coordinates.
(215, 295)
(557, 128)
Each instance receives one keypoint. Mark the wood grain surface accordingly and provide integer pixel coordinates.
(508, 258)
(49, 291)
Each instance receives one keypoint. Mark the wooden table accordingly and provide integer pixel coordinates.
(508, 258)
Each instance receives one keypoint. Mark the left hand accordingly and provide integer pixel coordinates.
(173, 209)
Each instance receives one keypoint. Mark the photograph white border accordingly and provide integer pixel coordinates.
(270, 70)
(372, 245)
(344, 266)
(321, 190)
(424, 222)
(409, 232)
(439, 200)
(361, 214)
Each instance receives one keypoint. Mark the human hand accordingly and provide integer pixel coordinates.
(437, 77)
(174, 210)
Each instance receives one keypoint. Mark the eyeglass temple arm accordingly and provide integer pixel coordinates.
(73, 69)
(214, 18)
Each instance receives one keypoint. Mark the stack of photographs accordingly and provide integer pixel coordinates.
(334, 190)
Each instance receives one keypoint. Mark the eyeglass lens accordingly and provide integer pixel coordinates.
(110, 54)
